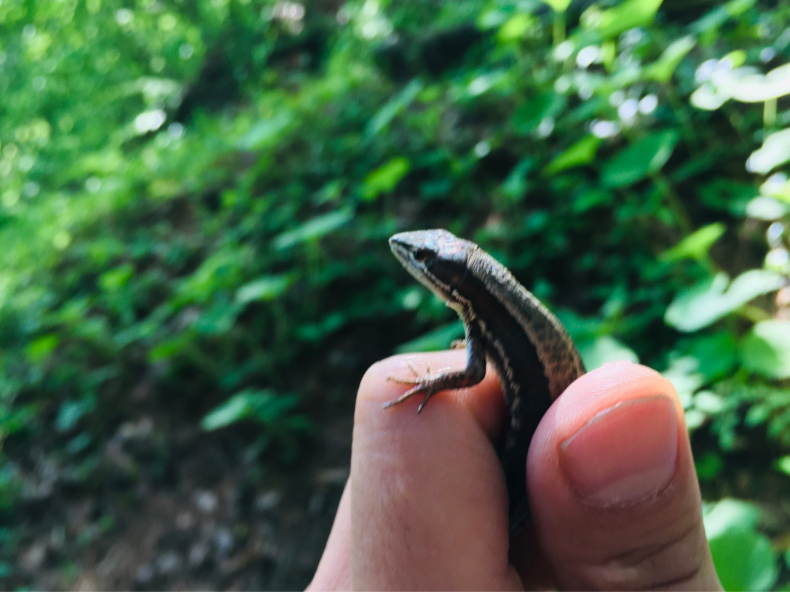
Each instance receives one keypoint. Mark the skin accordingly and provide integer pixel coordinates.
(425, 506)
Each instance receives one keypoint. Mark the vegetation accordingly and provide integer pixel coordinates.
(196, 197)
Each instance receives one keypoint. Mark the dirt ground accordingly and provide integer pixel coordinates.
(210, 516)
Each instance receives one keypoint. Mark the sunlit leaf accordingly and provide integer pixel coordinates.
(729, 514)
(517, 27)
(663, 68)
(313, 229)
(684, 374)
(709, 301)
(558, 5)
(783, 465)
(41, 347)
(638, 160)
(385, 178)
(709, 97)
(627, 15)
(263, 289)
(709, 402)
(485, 82)
(606, 349)
(759, 88)
(238, 407)
(265, 406)
(766, 208)
(265, 132)
(766, 349)
(777, 186)
(696, 245)
(114, 279)
(774, 151)
(580, 153)
(744, 558)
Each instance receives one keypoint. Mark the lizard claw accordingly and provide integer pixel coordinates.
(407, 395)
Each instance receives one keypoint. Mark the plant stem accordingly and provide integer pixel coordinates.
(769, 113)
(559, 27)
(753, 313)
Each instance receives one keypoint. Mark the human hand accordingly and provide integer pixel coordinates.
(614, 496)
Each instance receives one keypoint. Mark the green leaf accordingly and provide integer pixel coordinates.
(238, 407)
(580, 153)
(392, 109)
(558, 5)
(774, 152)
(527, 117)
(517, 27)
(744, 558)
(766, 349)
(263, 289)
(41, 347)
(71, 412)
(627, 15)
(265, 406)
(385, 178)
(265, 132)
(729, 514)
(635, 162)
(516, 184)
(709, 97)
(767, 208)
(716, 353)
(115, 279)
(684, 374)
(758, 88)
(313, 229)
(435, 340)
(719, 15)
(776, 187)
(783, 466)
(704, 304)
(662, 69)
(170, 348)
(695, 245)
(605, 349)
(485, 82)
(709, 466)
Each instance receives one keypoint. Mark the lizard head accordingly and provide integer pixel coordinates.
(436, 258)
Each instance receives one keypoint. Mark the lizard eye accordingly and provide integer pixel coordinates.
(421, 255)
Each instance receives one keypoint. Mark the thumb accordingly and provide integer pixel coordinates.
(614, 494)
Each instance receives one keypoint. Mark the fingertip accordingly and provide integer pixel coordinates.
(383, 383)
(427, 490)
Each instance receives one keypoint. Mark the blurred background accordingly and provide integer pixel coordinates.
(195, 201)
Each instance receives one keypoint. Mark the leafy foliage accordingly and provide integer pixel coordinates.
(196, 200)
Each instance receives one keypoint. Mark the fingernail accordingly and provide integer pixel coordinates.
(625, 453)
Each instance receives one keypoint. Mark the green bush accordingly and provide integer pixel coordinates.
(196, 197)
